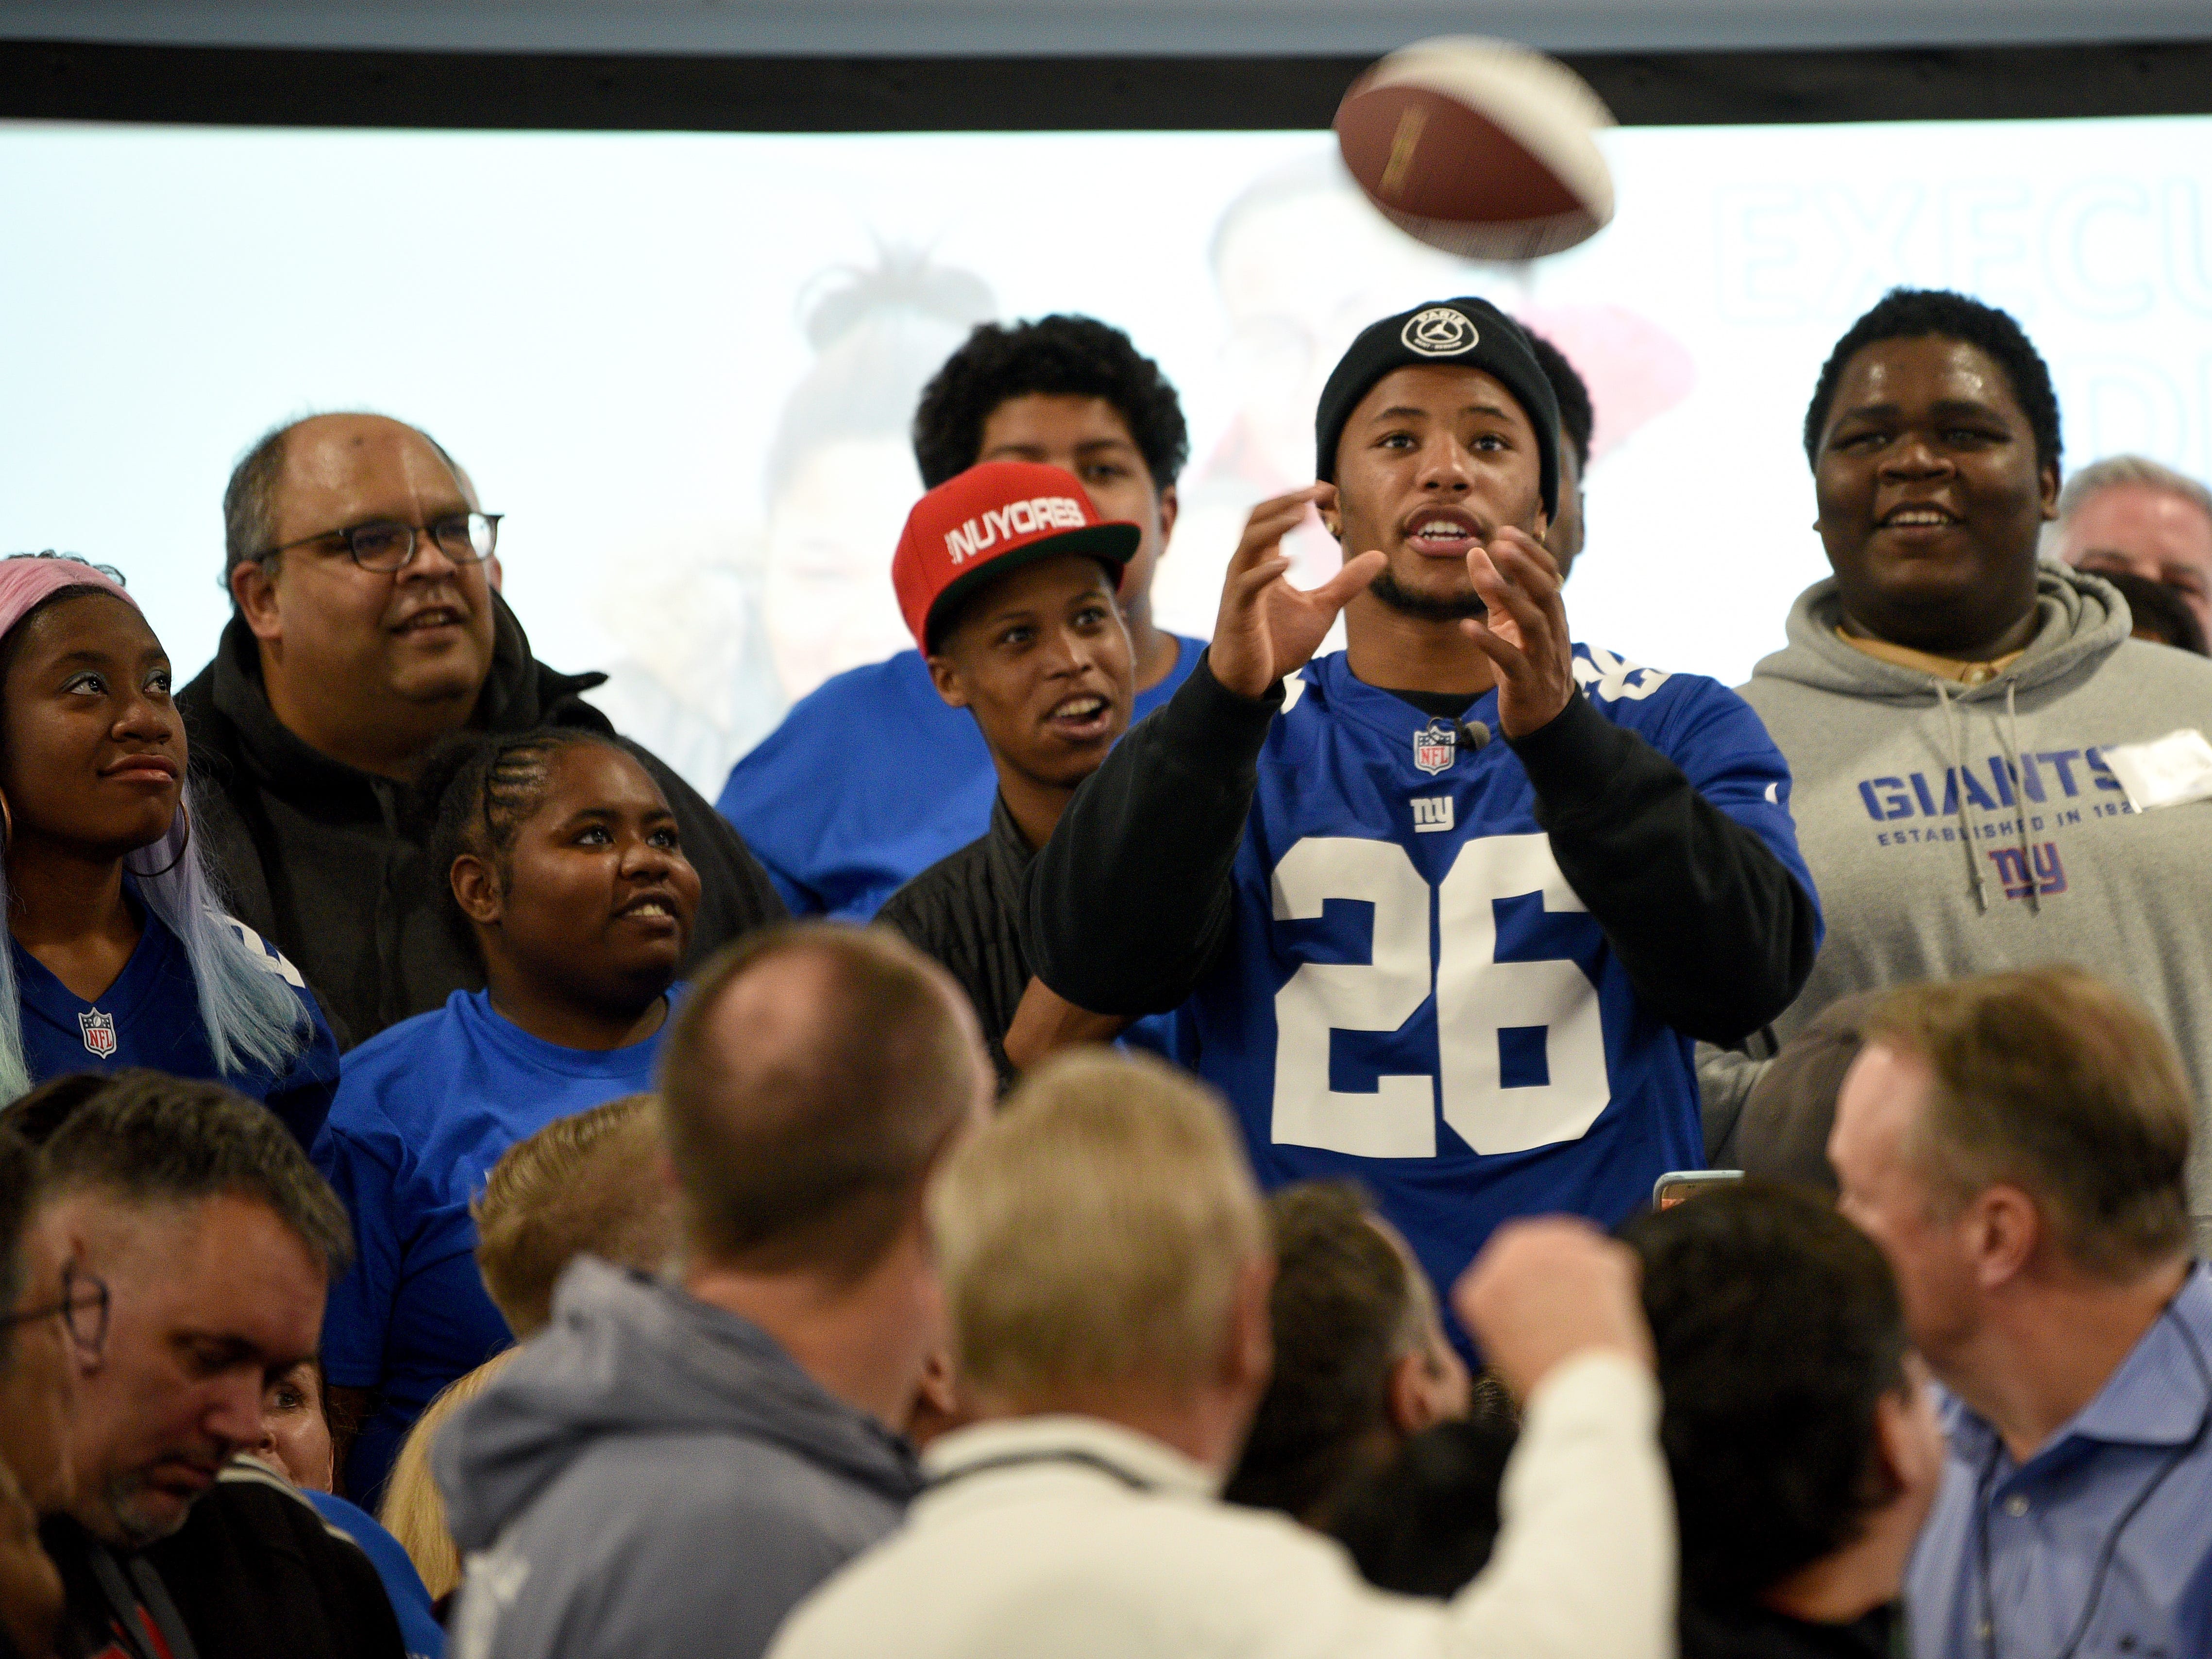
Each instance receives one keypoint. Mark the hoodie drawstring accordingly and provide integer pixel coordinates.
(2020, 800)
(1950, 722)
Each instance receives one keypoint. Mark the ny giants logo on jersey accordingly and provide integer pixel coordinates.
(1436, 747)
(99, 1030)
(1030, 517)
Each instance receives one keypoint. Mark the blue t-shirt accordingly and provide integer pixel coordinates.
(151, 1017)
(410, 1597)
(871, 779)
(424, 1110)
(1415, 998)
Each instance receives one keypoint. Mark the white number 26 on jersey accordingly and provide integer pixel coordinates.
(1477, 997)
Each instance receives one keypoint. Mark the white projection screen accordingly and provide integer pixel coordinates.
(682, 365)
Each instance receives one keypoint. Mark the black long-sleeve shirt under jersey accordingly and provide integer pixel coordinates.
(1131, 904)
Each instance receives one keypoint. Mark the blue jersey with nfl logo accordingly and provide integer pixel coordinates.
(1411, 993)
(150, 1016)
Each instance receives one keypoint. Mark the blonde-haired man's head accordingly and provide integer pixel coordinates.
(594, 1182)
(1101, 1242)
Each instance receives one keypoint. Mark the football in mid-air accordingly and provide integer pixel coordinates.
(1480, 147)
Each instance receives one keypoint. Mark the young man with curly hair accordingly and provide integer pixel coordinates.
(872, 778)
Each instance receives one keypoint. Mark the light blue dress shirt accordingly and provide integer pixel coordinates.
(2101, 1543)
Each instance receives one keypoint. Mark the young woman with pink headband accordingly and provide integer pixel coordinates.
(119, 952)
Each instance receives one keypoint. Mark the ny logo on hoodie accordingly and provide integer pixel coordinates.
(2048, 875)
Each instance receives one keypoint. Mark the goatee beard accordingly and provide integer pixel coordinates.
(1428, 607)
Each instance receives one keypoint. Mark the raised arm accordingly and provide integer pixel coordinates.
(1129, 902)
(1584, 1565)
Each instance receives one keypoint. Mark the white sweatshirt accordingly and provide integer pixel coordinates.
(1069, 1538)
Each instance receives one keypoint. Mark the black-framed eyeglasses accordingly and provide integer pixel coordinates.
(386, 544)
(83, 1307)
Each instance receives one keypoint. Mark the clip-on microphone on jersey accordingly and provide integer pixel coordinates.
(1473, 738)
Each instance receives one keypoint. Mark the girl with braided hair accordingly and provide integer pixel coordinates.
(567, 878)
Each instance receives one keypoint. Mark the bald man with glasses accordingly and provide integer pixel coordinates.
(364, 631)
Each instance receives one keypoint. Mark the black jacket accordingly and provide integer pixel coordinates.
(328, 862)
(965, 910)
(1131, 903)
(252, 1574)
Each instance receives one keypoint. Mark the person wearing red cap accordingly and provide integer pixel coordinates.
(871, 778)
(1006, 576)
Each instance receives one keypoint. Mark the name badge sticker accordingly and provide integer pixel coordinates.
(2168, 771)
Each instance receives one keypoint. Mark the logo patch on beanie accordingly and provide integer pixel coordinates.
(1439, 331)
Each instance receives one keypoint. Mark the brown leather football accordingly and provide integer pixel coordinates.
(1480, 147)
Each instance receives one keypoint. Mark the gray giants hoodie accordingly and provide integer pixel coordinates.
(651, 1476)
(1955, 829)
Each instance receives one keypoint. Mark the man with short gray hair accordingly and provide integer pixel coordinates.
(216, 1242)
(1107, 1262)
(2130, 516)
(2018, 1145)
(672, 1466)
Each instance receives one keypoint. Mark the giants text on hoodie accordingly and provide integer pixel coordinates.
(1961, 830)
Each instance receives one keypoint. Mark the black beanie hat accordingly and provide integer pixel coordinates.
(1466, 333)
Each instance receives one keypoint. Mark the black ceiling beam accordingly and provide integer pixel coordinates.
(279, 87)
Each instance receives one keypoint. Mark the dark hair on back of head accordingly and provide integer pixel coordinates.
(153, 1139)
(1576, 418)
(1919, 314)
(1777, 1330)
(37, 1114)
(478, 789)
(19, 1192)
(1339, 1307)
(1426, 1521)
(1057, 356)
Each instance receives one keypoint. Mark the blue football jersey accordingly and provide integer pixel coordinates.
(1412, 996)
(869, 780)
(151, 1017)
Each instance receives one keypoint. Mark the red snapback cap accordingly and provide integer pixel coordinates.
(989, 519)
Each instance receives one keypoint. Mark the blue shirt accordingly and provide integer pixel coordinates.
(150, 1016)
(1414, 998)
(410, 1597)
(871, 779)
(2142, 1445)
(424, 1110)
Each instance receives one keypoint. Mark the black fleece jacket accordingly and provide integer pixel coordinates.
(329, 863)
(1130, 904)
(252, 1574)
(965, 910)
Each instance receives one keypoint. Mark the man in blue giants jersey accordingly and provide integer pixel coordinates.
(1469, 973)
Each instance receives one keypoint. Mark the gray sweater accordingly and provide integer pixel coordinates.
(1907, 793)
(652, 1476)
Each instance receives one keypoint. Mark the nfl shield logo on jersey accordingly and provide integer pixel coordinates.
(98, 1032)
(1436, 747)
